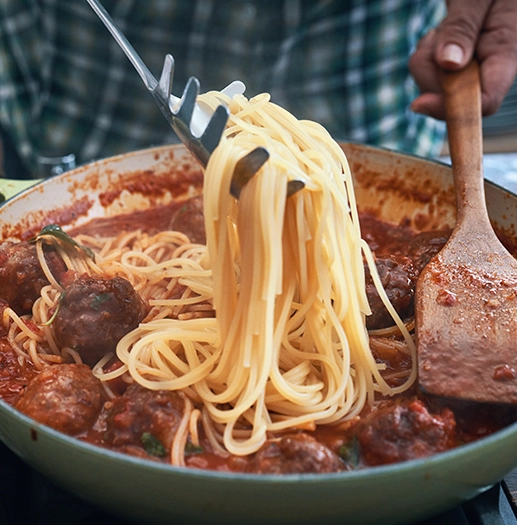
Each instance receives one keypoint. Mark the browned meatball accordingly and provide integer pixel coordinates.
(65, 397)
(142, 422)
(425, 246)
(398, 277)
(21, 276)
(403, 432)
(295, 454)
(95, 313)
(189, 219)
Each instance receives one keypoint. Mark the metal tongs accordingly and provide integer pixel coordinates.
(199, 130)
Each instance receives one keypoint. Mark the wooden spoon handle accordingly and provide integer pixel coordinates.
(462, 91)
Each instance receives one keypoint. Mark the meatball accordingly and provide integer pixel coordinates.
(95, 313)
(295, 454)
(425, 246)
(398, 277)
(142, 422)
(189, 219)
(403, 432)
(66, 397)
(21, 276)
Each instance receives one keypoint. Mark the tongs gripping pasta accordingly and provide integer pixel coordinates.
(198, 130)
(246, 168)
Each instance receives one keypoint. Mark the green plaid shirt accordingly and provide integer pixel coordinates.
(66, 87)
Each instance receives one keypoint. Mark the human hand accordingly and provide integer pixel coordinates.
(486, 29)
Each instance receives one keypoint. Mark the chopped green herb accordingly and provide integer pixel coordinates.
(152, 445)
(191, 449)
(349, 452)
(54, 230)
(99, 300)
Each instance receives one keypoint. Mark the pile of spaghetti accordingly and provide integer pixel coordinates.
(287, 346)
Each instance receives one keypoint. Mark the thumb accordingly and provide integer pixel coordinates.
(458, 33)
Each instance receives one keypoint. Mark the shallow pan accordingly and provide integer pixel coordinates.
(389, 184)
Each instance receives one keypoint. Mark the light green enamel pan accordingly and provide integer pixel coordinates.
(387, 183)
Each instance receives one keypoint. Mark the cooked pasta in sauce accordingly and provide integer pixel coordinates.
(288, 345)
(256, 350)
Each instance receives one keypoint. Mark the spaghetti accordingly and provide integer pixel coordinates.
(287, 346)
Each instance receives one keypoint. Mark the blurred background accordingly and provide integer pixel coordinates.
(499, 141)
(500, 130)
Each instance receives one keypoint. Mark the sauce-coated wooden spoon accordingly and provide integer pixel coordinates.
(466, 298)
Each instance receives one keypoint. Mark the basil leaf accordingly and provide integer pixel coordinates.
(54, 230)
(153, 445)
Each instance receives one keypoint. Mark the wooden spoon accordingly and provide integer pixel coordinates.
(466, 297)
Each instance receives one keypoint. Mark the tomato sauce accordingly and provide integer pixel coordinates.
(405, 427)
(14, 375)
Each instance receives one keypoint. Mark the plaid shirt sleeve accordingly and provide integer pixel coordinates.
(66, 87)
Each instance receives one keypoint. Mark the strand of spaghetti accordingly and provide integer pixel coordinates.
(393, 330)
(74, 354)
(44, 266)
(21, 325)
(398, 321)
(169, 268)
(202, 286)
(193, 427)
(391, 345)
(181, 301)
(214, 438)
(181, 435)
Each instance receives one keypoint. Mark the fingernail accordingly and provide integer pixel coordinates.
(453, 54)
